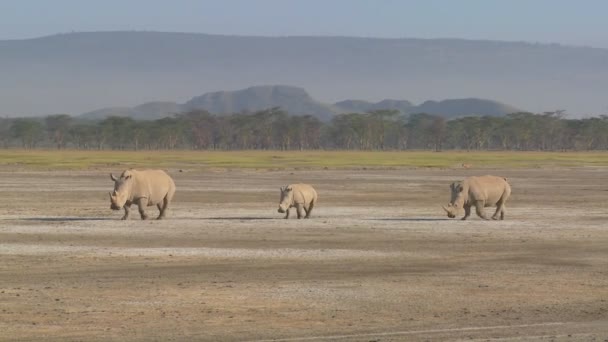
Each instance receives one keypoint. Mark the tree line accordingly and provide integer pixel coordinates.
(275, 129)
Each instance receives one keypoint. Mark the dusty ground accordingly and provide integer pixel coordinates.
(377, 262)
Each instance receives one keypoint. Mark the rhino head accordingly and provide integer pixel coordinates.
(456, 195)
(286, 198)
(122, 189)
(451, 210)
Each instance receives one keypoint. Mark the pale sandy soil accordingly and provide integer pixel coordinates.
(378, 261)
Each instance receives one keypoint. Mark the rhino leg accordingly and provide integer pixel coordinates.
(479, 205)
(162, 207)
(142, 204)
(310, 206)
(287, 214)
(127, 209)
(497, 212)
(502, 212)
(161, 211)
(500, 209)
(467, 212)
(300, 210)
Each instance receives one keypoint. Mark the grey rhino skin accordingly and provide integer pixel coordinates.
(301, 196)
(144, 188)
(480, 192)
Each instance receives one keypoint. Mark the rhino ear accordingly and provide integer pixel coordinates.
(113, 177)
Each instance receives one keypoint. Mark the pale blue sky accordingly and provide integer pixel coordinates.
(569, 22)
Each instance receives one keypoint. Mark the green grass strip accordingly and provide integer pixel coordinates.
(85, 160)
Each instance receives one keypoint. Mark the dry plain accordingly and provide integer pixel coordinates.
(378, 261)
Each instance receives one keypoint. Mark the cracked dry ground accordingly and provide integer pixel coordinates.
(378, 261)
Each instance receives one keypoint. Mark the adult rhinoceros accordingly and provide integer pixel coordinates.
(144, 188)
(480, 192)
(301, 196)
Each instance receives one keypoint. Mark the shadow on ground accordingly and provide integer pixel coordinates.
(410, 219)
(240, 218)
(61, 219)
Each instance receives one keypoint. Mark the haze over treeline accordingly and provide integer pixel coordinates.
(296, 101)
(80, 72)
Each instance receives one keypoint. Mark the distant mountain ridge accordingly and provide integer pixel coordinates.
(358, 106)
(296, 101)
(76, 72)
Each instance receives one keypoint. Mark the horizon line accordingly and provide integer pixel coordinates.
(75, 32)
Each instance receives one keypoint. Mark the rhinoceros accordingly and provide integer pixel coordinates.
(480, 192)
(301, 196)
(144, 188)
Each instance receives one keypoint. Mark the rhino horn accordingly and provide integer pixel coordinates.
(446, 209)
(113, 177)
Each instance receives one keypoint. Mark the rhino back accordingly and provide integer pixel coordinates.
(303, 193)
(153, 184)
(487, 188)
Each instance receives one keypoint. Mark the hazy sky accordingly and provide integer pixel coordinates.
(569, 22)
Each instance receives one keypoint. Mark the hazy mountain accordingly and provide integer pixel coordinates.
(108, 111)
(447, 108)
(155, 110)
(360, 106)
(74, 73)
(464, 107)
(296, 101)
(146, 111)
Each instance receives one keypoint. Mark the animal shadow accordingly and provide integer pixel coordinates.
(63, 219)
(410, 219)
(239, 218)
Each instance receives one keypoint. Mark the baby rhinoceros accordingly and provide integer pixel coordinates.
(301, 196)
(479, 192)
(144, 188)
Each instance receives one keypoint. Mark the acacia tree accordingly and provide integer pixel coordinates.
(28, 131)
(141, 134)
(117, 130)
(58, 127)
(401, 134)
(283, 127)
(551, 128)
(241, 134)
(268, 125)
(421, 126)
(382, 121)
(592, 134)
(348, 131)
(169, 131)
(5, 135)
(200, 128)
(82, 135)
(309, 132)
